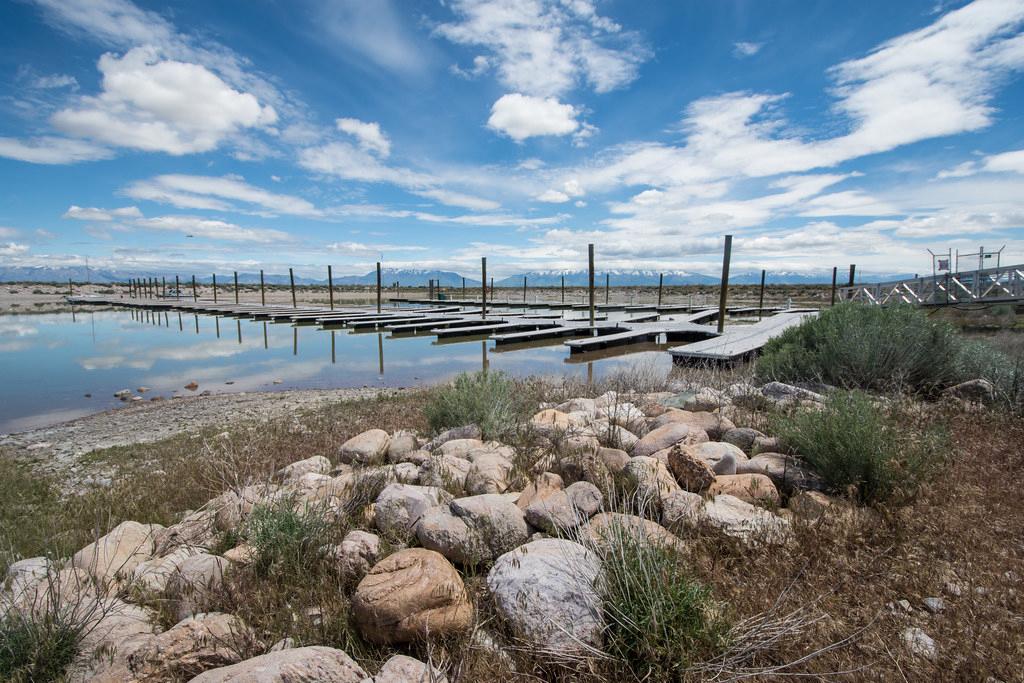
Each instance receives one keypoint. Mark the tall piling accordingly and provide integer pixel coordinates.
(607, 287)
(195, 291)
(760, 298)
(215, 288)
(263, 290)
(291, 279)
(723, 297)
(835, 271)
(483, 286)
(378, 287)
(330, 288)
(590, 281)
(236, 287)
(661, 283)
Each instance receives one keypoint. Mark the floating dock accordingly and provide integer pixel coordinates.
(740, 341)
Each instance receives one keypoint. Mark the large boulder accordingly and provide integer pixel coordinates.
(116, 555)
(742, 437)
(461, 448)
(473, 529)
(153, 575)
(692, 473)
(752, 488)
(317, 464)
(613, 435)
(546, 591)
(608, 531)
(625, 415)
(578, 405)
(368, 448)
(111, 630)
(778, 391)
(550, 421)
(410, 595)
(464, 432)
(404, 669)
(668, 435)
(564, 509)
(192, 646)
(788, 473)
(194, 582)
(543, 486)
(296, 665)
(488, 473)
(399, 507)
(651, 482)
(402, 443)
(745, 521)
(973, 391)
(720, 456)
(23, 575)
(681, 508)
(356, 553)
(445, 471)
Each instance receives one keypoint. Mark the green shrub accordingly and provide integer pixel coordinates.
(851, 442)
(36, 651)
(285, 540)
(490, 400)
(854, 346)
(661, 621)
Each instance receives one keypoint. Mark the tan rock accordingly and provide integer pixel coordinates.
(692, 473)
(752, 488)
(117, 553)
(410, 595)
(609, 530)
(810, 505)
(403, 669)
(367, 448)
(296, 665)
(192, 646)
(541, 487)
(669, 435)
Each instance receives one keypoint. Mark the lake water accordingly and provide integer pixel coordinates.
(50, 362)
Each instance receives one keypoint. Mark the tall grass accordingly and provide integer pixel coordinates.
(285, 540)
(491, 400)
(852, 443)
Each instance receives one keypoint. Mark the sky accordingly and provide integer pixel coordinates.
(197, 137)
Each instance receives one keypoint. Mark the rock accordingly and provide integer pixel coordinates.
(460, 448)
(192, 386)
(651, 482)
(810, 505)
(546, 592)
(23, 575)
(752, 488)
(786, 472)
(406, 473)
(720, 456)
(777, 391)
(112, 630)
(473, 529)
(564, 509)
(743, 520)
(765, 444)
(242, 555)
(742, 437)
(399, 507)
(488, 473)
(152, 575)
(190, 587)
(614, 436)
(283, 644)
(934, 605)
(692, 473)
(713, 424)
(973, 391)
(126, 393)
(402, 443)
(297, 665)
(550, 421)
(465, 432)
(317, 464)
(445, 471)
(614, 459)
(356, 553)
(403, 669)
(607, 532)
(919, 643)
(116, 555)
(368, 448)
(681, 508)
(625, 415)
(668, 435)
(57, 593)
(541, 487)
(583, 405)
(410, 595)
(192, 646)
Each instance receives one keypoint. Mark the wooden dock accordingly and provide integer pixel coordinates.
(739, 341)
(636, 333)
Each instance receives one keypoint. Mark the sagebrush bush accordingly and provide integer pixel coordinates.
(284, 539)
(854, 346)
(34, 651)
(851, 442)
(661, 620)
(490, 400)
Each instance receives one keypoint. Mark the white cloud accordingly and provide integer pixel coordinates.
(8, 232)
(210, 192)
(212, 229)
(553, 197)
(52, 150)
(94, 214)
(361, 249)
(1007, 161)
(12, 248)
(746, 49)
(374, 31)
(522, 116)
(352, 163)
(54, 82)
(369, 135)
(545, 48)
(465, 201)
(162, 105)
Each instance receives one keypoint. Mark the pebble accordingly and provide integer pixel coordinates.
(934, 605)
(919, 643)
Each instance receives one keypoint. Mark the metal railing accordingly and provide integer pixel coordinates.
(989, 285)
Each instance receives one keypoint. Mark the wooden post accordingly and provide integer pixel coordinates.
(724, 294)
(524, 289)
(463, 289)
(760, 299)
(177, 287)
(378, 286)
(195, 292)
(71, 290)
(215, 288)
(236, 287)
(483, 286)
(330, 288)
(835, 271)
(607, 287)
(563, 289)
(291, 278)
(661, 283)
(163, 286)
(590, 280)
(263, 291)
(853, 273)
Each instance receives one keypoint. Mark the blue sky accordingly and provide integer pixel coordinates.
(195, 136)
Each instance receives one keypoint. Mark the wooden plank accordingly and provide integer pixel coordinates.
(739, 341)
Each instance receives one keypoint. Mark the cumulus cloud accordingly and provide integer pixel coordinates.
(1005, 162)
(545, 48)
(522, 116)
(369, 135)
(52, 150)
(161, 105)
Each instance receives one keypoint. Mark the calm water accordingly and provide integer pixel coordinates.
(48, 363)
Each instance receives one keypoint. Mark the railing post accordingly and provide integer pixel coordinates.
(590, 280)
(483, 286)
(291, 279)
(723, 296)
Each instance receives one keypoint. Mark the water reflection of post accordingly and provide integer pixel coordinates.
(295, 341)
(590, 372)
(73, 315)
(380, 352)
(484, 364)
(167, 319)
(265, 336)
(181, 323)
(197, 322)
(216, 321)
(333, 357)
(239, 324)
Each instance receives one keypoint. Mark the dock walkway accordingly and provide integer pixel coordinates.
(739, 341)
